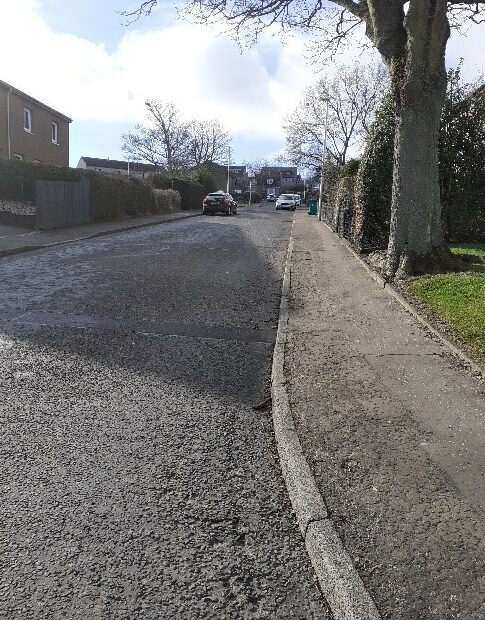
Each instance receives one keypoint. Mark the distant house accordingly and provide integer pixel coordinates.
(114, 166)
(31, 130)
(238, 180)
(238, 177)
(219, 174)
(279, 176)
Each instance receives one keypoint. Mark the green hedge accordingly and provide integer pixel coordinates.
(17, 178)
(166, 200)
(112, 196)
(373, 186)
(345, 201)
(191, 192)
(461, 161)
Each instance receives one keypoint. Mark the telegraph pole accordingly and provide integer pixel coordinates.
(228, 164)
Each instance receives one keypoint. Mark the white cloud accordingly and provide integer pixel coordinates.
(471, 47)
(197, 67)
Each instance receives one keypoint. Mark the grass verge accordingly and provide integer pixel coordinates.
(457, 300)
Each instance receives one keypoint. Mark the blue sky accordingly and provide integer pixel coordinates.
(81, 58)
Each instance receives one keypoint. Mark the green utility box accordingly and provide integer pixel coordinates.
(312, 206)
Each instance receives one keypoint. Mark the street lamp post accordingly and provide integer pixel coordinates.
(228, 164)
(324, 152)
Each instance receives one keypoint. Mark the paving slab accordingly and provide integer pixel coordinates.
(393, 427)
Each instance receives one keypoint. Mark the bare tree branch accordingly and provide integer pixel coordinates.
(354, 94)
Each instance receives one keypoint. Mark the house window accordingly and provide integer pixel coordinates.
(18, 156)
(55, 132)
(28, 120)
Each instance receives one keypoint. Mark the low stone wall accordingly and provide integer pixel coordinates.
(15, 213)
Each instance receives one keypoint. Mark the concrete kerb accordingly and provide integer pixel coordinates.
(102, 233)
(391, 290)
(339, 582)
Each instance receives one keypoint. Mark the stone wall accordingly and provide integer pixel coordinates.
(16, 213)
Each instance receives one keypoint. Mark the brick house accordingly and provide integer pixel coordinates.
(280, 177)
(116, 166)
(31, 130)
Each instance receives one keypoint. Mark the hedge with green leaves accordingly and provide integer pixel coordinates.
(191, 192)
(461, 162)
(166, 200)
(114, 197)
(111, 196)
(17, 178)
(345, 200)
(373, 184)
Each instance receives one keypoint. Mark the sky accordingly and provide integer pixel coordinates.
(81, 58)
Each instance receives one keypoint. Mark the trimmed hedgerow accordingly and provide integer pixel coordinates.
(166, 200)
(17, 178)
(204, 176)
(345, 201)
(111, 196)
(191, 192)
(114, 197)
(373, 183)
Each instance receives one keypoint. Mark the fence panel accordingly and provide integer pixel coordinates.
(61, 203)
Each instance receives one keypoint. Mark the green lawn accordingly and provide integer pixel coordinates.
(458, 299)
(468, 249)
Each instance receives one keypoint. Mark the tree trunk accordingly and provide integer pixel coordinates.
(416, 240)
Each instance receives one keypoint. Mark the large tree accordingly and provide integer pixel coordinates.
(411, 38)
(208, 142)
(172, 144)
(353, 93)
(164, 141)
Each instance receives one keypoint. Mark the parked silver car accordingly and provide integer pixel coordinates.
(286, 201)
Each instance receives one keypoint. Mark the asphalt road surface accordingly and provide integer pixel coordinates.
(137, 480)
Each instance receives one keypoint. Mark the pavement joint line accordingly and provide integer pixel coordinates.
(339, 582)
(104, 233)
(145, 334)
(393, 292)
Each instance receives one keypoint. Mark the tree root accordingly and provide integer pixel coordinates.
(439, 260)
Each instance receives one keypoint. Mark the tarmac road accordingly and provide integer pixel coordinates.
(138, 482)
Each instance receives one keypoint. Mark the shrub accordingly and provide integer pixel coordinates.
(111, 196)
(373, 185)
(166, 200)
(114, 197)
(191, 192)
(462, 160)
(331, 178)
(204, 176)
(17, 178)
(345, 200)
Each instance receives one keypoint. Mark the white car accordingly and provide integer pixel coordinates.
(298, 199)
(286, 201)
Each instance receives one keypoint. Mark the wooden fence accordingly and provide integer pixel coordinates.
(61, 203)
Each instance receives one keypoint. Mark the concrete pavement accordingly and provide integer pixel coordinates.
(393, 428)
(17, 240)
